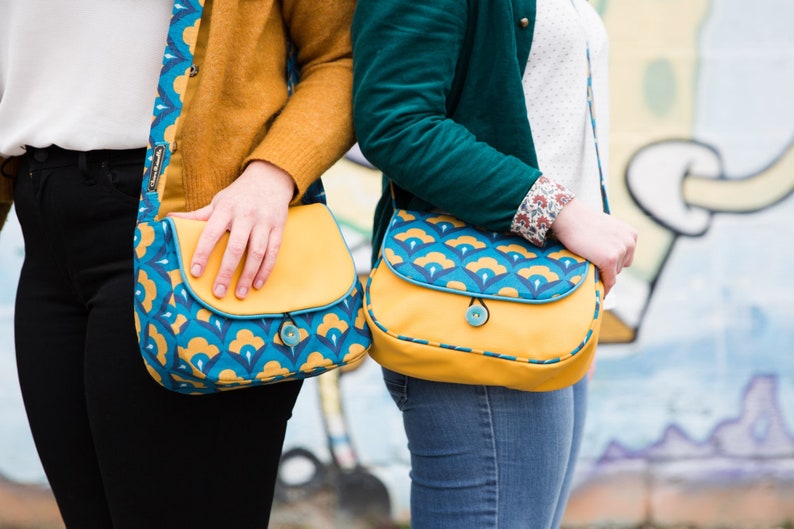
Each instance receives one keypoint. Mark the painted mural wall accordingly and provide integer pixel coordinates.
(692, 404)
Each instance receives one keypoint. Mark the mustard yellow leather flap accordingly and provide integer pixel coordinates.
(314, 267)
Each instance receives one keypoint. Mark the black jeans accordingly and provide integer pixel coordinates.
(119, 451)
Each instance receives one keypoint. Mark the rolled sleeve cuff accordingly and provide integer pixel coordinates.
(539, 210)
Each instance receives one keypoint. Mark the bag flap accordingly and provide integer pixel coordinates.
(442, 252)
(314, 268)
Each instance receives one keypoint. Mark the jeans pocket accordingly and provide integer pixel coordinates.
(124, 177)
(397, 386)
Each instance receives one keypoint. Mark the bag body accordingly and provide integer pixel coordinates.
(453, 303)
(306, 319)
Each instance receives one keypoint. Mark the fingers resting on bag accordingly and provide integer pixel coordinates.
(604, 240)
(253, 210)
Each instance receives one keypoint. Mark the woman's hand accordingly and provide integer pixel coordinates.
(253, 209)
(602, 239)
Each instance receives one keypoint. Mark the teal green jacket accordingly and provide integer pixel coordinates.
(439, 107)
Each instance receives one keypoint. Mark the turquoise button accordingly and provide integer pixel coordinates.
(476, 315)
(290, 335)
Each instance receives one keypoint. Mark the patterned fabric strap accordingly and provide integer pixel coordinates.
(177, 61)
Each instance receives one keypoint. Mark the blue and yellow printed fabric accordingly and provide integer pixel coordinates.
(441, 252)
(189, 344)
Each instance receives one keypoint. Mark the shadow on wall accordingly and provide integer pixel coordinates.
(312, 494)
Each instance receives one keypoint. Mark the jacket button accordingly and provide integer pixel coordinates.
(194, 70)
(524, 23)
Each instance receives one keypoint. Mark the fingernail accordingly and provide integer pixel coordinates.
(195, 270)
(242, 292)
(259, 284)
(219, 291)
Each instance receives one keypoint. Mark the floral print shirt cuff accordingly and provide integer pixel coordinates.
(539, 210)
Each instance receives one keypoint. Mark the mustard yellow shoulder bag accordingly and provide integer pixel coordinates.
(450, 302)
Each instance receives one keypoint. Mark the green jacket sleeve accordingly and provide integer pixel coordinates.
(407, 55)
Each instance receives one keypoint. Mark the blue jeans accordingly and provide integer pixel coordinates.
(485, 457)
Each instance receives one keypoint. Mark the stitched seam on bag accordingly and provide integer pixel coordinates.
(491, 354)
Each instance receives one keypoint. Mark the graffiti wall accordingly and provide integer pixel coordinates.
(691, 417)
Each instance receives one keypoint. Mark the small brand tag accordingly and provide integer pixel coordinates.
(158, 155)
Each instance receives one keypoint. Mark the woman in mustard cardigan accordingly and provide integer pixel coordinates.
(77, 84)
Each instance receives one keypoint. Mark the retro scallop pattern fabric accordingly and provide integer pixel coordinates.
(187, 347)
(191, 349)
(441, 252)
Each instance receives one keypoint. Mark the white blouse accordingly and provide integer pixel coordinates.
(81, 74)
(555, 88)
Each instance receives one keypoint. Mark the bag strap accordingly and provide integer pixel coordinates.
(591, 107)
(172, 87)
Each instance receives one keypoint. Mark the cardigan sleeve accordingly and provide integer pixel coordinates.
(406, 55)
(315, 127)
(6, 194)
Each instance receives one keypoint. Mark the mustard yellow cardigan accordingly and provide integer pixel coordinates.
(236, 108)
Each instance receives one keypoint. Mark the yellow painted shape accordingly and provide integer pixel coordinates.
(745, 194)
(353, 190)
(641, 33)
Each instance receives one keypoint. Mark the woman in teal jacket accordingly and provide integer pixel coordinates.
(459, 103)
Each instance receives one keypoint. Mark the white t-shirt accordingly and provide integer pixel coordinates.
(80, 74)
(555, 88)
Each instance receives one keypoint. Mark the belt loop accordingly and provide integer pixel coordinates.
(82, 164)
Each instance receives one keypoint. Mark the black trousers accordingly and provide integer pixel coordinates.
(120, 451)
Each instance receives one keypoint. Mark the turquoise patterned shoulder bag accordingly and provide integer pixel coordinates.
(307, 319)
